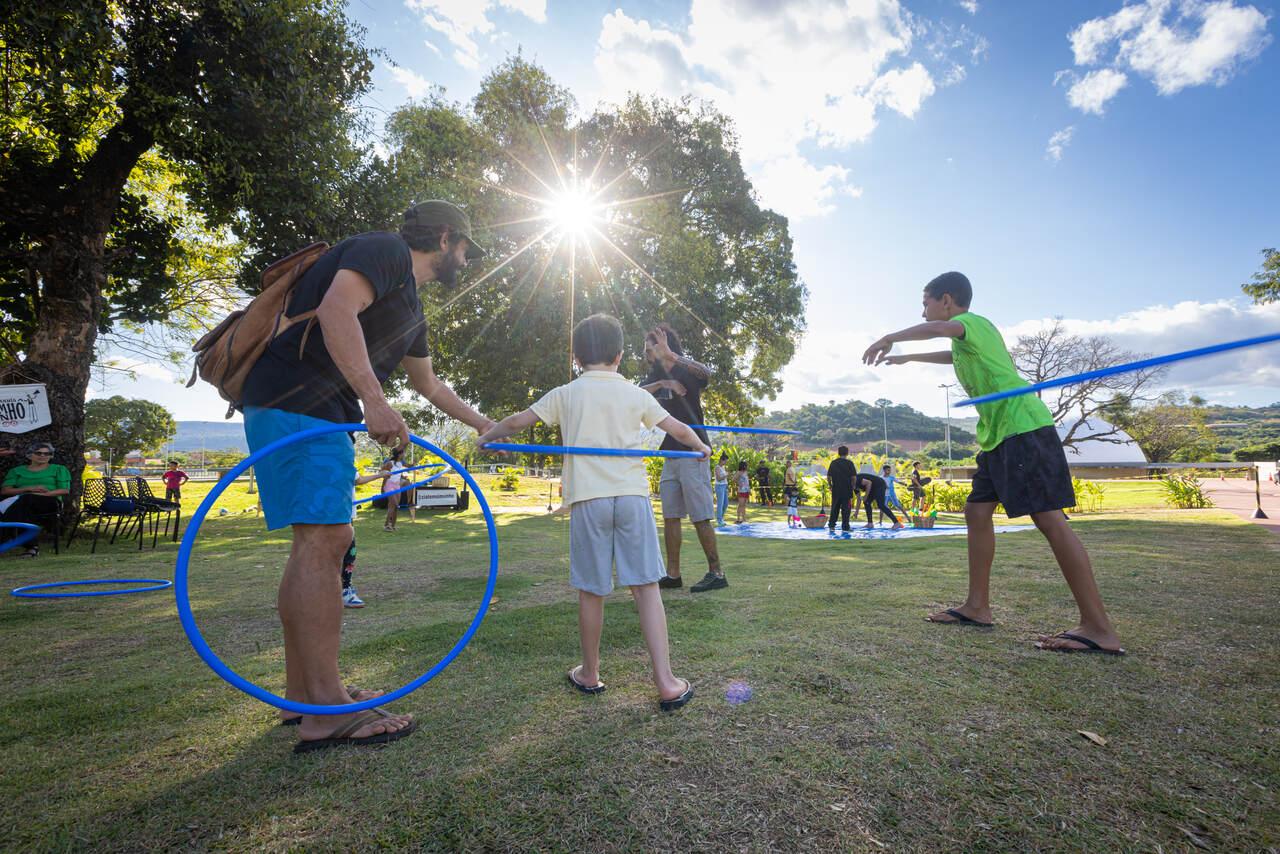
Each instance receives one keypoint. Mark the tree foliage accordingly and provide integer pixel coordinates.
(834, 423)
(114, 426)
(1167, 430)
(1265, 284)
(113, 112)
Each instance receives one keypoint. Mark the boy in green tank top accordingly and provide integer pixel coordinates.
(1021, 463)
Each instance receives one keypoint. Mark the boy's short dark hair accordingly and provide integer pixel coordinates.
(597, 340)
(673, 338)
(742, 465)
(173, 462)
(843, 450)
(952, 283)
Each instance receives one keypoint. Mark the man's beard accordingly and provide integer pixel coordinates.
(447, 272)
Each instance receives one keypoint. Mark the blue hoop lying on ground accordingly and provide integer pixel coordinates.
(182, 592)
(1123, 369)
(401, 489)
(29, 533)
(767, 431)
(590, 452)
(25, 592)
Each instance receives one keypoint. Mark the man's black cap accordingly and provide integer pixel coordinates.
(435, 212)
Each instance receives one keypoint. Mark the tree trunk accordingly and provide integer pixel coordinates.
(72, 264)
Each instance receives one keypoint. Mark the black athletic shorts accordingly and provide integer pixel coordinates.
(1026, 473)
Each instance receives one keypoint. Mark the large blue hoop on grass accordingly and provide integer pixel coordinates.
(29, 533)
(25, 592)
(182, 593)
(590, 452)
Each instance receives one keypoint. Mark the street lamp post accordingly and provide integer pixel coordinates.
(884, 412)
(947, 428)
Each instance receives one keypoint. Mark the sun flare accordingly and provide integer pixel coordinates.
(571, 212)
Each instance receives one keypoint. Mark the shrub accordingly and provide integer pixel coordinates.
(1089, 496)
(1185, 492)
(509, 478)
(947, 496)
(653, 469)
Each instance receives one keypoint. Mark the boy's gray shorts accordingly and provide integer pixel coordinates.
(607, 532)
(685, 489)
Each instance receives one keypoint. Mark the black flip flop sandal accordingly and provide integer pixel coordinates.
(960, 620)
(1089, 645)
(683, 699)
(343, 736)
(597, 688)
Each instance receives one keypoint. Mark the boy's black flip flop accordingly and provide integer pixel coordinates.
(597, 688)
(960, 620)
(344, 738)
(675, 703)
(1089, 645)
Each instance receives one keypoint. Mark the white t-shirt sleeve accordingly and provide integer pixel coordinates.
(653, 412)
(550, 408)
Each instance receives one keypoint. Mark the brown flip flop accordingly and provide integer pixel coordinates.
(343, 737)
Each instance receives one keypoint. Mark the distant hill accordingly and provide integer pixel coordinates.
(859, 421)
(212, 435)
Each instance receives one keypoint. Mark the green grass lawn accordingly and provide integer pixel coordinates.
(869, 729)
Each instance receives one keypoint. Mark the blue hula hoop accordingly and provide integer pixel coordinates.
(181, 590)
(767, 431)
(1123, 369)
(24, 592)
(29, 533)
(359, 501)
(590, 452)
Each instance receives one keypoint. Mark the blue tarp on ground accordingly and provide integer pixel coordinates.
(780, 531)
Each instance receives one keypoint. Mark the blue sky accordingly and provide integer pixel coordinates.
(1113, 164)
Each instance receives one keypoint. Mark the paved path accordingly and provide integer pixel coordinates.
(1237, 496)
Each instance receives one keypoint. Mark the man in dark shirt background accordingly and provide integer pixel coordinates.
(840, 475)
(368, 321)
(685, 489)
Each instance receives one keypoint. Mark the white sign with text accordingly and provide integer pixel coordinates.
(23, 408)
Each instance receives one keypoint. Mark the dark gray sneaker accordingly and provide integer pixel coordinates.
(710, 581)
(666, 582)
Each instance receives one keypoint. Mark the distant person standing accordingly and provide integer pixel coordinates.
(762, 478)
(790, 480)
(744, 491)
(173, 479)
(840, 477)
(722, 488)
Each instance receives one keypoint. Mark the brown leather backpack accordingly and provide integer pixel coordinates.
(226, 353)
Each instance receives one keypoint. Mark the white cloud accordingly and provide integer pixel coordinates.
(1173, 44)
(788, 74)
(1090, 93)
(415, 85)
(1162, 329)
(797, 188)
(970, 6)
(460, 21)
(1059, 142)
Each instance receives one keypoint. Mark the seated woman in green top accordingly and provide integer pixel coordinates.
(33, 492)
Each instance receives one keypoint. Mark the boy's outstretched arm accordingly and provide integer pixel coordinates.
(509, 426)
(684, 434)
(879, 351)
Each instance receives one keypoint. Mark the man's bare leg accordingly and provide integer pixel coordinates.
(672, 535)
(653, 626)
(590, 627)
(982, 552)
(310, 606)
(707, 537)
(1073, 560)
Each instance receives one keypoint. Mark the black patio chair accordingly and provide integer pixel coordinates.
(103, 500)
(140, 491)
(50, 522)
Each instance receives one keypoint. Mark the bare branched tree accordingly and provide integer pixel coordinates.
(1054, 352)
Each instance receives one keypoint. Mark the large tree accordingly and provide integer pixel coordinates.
(114, 426)
(247, 104)
(676, 234)
(1054, 352)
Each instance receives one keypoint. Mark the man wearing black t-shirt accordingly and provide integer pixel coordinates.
(840, 475)
(368, 321)
(685, 489)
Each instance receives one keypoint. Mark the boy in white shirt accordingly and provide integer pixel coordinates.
(611, 520)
